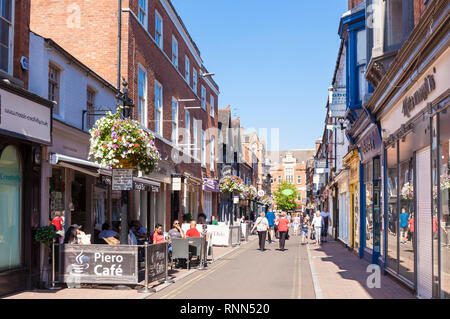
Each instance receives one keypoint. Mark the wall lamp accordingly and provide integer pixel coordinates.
(207, 74)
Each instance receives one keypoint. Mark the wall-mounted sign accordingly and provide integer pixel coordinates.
(370, 145)
(25, 118)
(322, 170)
(236, 199)
(99, 264)
(421, 94)
(261, 193)
(122, 179)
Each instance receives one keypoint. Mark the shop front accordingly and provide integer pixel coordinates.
(370, 149)
(352, 161)
(416, 182)
(211, 189)
(25, 127)
(343, 211)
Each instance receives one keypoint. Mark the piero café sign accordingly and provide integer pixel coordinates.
(104, 264)
(25, 118)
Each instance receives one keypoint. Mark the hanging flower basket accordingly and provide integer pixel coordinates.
(232, 185)
(123, 143)
(249, 193)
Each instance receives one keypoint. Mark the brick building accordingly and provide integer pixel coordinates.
(174, 98)
(291, 166)
(25, 127)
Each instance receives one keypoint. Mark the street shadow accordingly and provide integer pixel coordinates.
(351, 267)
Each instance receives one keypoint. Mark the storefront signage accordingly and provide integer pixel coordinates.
(122, 179)
(370, 145)
(421, 94)
(157, 259)
(236, 200)
(140, 186)
(99, 264)
(211, 185)
(25, 118)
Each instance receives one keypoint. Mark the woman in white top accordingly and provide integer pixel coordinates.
(261, 225)
(296, 223)
(316, 226)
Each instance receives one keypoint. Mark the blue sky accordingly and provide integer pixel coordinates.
(273, 60)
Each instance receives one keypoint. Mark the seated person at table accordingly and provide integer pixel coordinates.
(201, 218)
(193, 232)
(107, 232)
(139, 231)
(158, 236)
(176, 231)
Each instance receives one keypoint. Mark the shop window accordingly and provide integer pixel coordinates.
(441, 204)
(57, 190)
(368, 180)
(6, 39)
(78, 215)
(392, 211)
(10, 208)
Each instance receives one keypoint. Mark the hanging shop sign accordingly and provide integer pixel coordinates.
(338, 105)
(420, 95)
(122, 179)
(236, 200)
(176, 183)
(106, 264)
(322, 163)
(227, 170)
(24, 118)
(261, 193)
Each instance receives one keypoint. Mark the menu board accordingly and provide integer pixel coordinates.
(157, 259)
(122, 179)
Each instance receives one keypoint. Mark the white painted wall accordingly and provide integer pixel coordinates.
(73, 83)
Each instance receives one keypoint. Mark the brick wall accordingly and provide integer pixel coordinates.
(21, 39)
(419, 9)
(354, 3)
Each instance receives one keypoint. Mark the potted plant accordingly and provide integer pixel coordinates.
(45, 235)
(232, 185)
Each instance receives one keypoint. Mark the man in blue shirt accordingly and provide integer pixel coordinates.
(403, 226)
(271, 219)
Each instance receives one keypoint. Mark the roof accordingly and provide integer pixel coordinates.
(300, 155)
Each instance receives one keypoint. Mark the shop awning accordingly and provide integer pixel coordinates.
(78, 164)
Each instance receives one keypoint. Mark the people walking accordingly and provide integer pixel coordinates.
(296, 224)
(283, 227)
(316, 226)
(326, 220)
(271, 219)
(261, 225)
(304, 228)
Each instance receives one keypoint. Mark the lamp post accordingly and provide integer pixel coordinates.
(126, 113)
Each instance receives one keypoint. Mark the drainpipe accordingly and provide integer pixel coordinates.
(119, 43)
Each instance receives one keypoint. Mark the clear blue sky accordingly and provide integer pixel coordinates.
(273, 60)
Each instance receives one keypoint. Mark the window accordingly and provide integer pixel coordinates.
(142, 101)
(279, 179)
(195, 132)
(175, 52)
(361, 53)
(194, 80)
(6, 35)
(290, 175)
(187, 126)
(143, 7)
(212, 157)
(299, 179)
(212, 105)
(203, 149)
(90, 107)
(11, 208)
(158, 30)
(187, 72)
(203, 98)
(174, 121)
(53, 86)
(158, 108)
